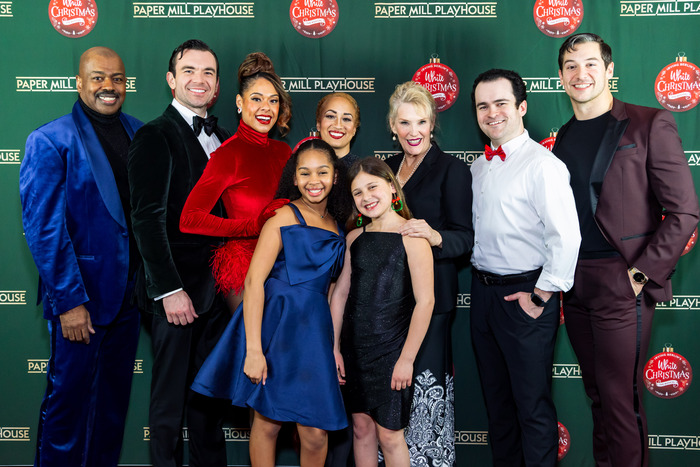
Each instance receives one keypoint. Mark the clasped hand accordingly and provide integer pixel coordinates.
(255, 367)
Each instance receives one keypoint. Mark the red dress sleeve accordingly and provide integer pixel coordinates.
(219, 174)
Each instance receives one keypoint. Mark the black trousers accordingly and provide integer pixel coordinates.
(610, 329)
(178, 353)
(514, 355)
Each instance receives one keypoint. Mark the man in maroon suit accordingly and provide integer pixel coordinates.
(627, 170)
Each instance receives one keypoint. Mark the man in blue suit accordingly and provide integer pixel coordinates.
(76, 216)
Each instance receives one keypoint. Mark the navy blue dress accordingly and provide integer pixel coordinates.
(297, 337)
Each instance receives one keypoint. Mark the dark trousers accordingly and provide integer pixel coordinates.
(514, 356)
(178, 353)
(609, 329)
(87, 394)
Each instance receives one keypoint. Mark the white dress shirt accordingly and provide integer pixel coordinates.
(524, 215)
(209, 144)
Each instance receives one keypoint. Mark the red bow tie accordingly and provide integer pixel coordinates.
(490, 153)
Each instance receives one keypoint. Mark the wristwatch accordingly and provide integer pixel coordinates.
(638, 276)
(537, 300)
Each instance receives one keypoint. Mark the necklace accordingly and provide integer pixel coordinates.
(398, 172)
(313, 210)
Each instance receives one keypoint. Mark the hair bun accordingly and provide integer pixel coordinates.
(253, 63)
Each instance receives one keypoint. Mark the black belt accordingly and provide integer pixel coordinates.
(487, 278)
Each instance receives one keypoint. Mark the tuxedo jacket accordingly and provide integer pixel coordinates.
(73, 218)
(165, 162)
(640, 174)
(440, 192)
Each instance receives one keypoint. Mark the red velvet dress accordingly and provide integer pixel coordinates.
(244, 172)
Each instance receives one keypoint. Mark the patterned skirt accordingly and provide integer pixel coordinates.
(430, 434)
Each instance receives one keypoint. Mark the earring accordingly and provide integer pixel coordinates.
(239, 110)
(359, 220)
(393, 137)
(396, 203)
(431, 135)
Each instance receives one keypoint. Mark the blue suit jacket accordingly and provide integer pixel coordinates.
(73, 218)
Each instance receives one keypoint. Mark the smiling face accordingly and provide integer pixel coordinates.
(101, 81)
(338, 124)
(260, 105)
(314, 175)
(498, 116)
(372, 194)
(195, 80)
(585, 77)
(412, 127)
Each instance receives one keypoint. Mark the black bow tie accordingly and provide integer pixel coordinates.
(209, 124)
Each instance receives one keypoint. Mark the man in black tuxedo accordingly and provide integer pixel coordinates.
(166, 158)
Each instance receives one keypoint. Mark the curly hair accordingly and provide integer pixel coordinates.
(339, 201)
(258, 65)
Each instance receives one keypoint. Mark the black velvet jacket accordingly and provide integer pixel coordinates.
(165, 162)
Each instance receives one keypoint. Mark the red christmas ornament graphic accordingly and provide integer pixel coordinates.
(558, 18)
(667, 374)
(314, 18)
(677, 86)
(440, 80)
(691, 242)
(549, 141)
(564, 441)
(73, 18)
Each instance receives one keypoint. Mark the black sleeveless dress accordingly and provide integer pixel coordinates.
(375, 325)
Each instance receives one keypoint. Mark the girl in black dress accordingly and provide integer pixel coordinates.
(381, 308)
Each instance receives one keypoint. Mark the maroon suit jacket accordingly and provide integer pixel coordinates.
(639, 174)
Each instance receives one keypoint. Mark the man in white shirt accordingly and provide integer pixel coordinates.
(525, 248)
(176, 287)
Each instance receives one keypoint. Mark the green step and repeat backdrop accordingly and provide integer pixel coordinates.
(365, 48)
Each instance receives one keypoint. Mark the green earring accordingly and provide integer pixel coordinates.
(396, 203)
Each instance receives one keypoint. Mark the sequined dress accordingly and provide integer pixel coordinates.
(375, 325)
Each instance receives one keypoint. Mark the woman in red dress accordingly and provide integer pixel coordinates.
(243, 172)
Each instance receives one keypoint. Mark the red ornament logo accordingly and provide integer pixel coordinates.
(558, 18)
(564, 442)
(314, 18)
(691, 242)
(678, 85)
(549, 141)
(73, 18)
(667, 374)
(441, 81)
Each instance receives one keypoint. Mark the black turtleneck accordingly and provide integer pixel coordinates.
(115, 143)
(583, 139)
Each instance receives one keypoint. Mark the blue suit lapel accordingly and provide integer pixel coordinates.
(101, 169)
(130, 130)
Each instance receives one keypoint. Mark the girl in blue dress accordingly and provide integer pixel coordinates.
(381, 308)
(276, 354)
